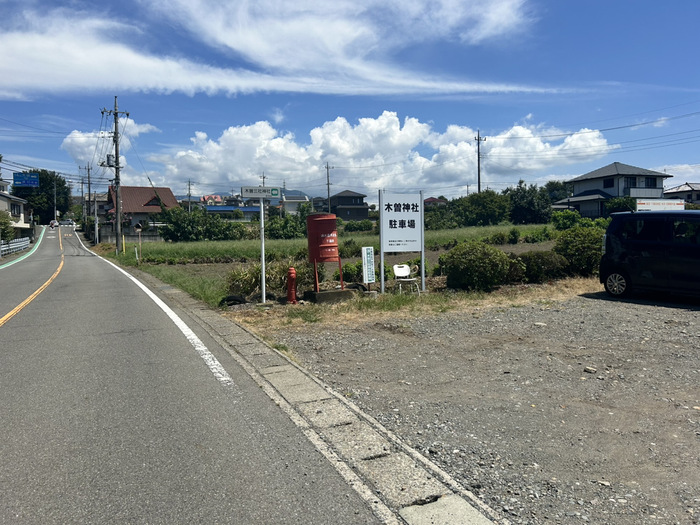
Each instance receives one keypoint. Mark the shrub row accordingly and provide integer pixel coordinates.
(475, 265)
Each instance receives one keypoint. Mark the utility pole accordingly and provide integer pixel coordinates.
(478, 140)
(88, 211)
(82, 196)
(328, 184)
(97, 229)
(189, 196)
(263, 179)
(117, 184)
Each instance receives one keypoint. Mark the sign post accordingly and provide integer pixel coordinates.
(261, 192)
(401, 227)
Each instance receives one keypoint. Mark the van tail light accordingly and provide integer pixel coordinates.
(605, 236)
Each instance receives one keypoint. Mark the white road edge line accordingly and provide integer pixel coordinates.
(212, 362)
(36, 245)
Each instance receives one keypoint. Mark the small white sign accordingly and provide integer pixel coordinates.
(260, 192)
(368, 265)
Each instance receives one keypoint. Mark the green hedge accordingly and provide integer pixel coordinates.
(582, 247)
(474, 265)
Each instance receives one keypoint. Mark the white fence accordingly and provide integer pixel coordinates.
(16, 245)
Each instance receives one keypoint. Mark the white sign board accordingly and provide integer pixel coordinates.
(660, 204)
(402, 222)
(368, 264)
(260, 192)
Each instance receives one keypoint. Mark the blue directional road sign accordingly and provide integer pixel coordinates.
(25, 180)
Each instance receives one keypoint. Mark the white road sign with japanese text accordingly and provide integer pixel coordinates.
(401, 222)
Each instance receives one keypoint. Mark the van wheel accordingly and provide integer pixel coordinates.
(617, 284)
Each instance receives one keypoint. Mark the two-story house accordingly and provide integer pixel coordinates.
(291, 200)
(349, 206)
(591, 190)
(212, 200)
(16, 208)
(319, 204)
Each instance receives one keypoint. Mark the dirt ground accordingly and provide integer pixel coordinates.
(553, 405)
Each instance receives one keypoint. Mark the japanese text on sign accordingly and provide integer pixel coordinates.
(401, 222)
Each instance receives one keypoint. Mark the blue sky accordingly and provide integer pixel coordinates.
(390, 93)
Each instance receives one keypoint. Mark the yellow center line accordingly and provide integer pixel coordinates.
(43, 287)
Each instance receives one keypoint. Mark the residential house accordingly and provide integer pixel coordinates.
(139, 203)
(99, 201)
(16, 208)
(349, 206)
(212, 200)
(189, 202)
(591, 190)
(433, 202)
(689, 192)
(249, 212)
(319, 204)
(291, 200)
(233, 200)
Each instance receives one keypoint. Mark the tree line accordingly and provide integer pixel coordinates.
(522, 204)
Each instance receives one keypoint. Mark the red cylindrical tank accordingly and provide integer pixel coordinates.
(322, 235)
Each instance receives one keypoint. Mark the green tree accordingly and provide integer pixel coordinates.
(41, 200)
(303, 211)
(528, 204)
(621, 204)
(288, 227)
(439, 218)
(557, 190)
(7, 230)
(274, 211)
(181, 226)
(480, 209)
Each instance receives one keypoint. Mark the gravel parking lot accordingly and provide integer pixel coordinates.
(574, 410)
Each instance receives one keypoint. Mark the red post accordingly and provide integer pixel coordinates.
(292, 286)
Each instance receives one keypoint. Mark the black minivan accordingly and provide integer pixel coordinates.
(653, 251)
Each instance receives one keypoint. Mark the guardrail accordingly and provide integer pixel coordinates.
(16, 245)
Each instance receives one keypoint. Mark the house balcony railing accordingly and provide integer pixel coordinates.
(644, 193)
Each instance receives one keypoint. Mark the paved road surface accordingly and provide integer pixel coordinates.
(111, 414)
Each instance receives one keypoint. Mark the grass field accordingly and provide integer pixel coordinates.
(202, 268)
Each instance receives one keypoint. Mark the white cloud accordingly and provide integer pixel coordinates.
(91, 148)
(681, 173)
(523, 149)
(337, 47)
(334, 35)
(374, 153)
(277, 115)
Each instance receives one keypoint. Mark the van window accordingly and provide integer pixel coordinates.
(646, 229)
(686, 231)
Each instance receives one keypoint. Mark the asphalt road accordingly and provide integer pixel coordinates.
(111, 413)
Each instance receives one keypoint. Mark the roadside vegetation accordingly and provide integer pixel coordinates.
(462, 265)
